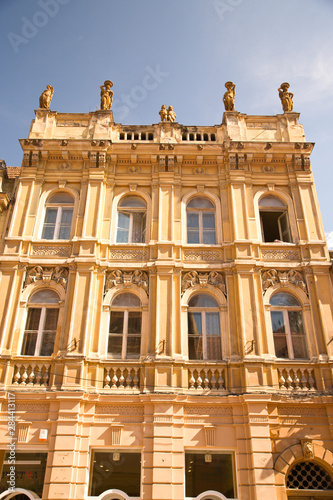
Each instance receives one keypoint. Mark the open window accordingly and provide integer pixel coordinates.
(132, 215)
(204, 335)
(125, 327)
(58, 217)
(41, 325)
(274, 220)
(201, 221)
(288, 327)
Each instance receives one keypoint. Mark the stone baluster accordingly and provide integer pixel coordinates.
(221, 380)
(282, 380)
(192, 379)
(17, 375)
(304, 382)
(136, 379)
(121, 378)
(107, 378)
(38, 375)
(46, 376)
(114, 379)
(199, 380)
(296, 380)
(31, 376)
(24, 375)
(289, 381)
(206, 379)
(311, 381)
(129, 380)
(213, 380)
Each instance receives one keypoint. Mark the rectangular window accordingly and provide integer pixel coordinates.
(192, 227)
(209, 471)
(208, 223)
(29, 472)
(49, 223)
(195, 346)
(121, 472)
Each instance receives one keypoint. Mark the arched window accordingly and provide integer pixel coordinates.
(201, 221)
(287, 326)
(58, 217)
(41, 325)
(125, 327)
(204, 336)
(132, 214)
(308, 475)
(274, 219)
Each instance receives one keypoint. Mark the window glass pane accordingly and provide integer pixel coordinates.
(64, 233)
(47, 345)
(48, 232)
(51, 319)
(116, 322)
(299, 347)
(193, 236)
(132, 202)
(202, 475)
(115, 345)
(195, 348)
(51, 215)
(33, 319)
(194, 323)
(200, 202)
(137, 229)
(61, 198)
(271, 201)
(133, 347)
(281, 349)
(209, 237)
(134, 322)
(192, 220)
(284, 227)
(213, 323)
(208, 220)
(66, 215)
(214, 347)
(126, 300)
(44, 297)
(284, 299)
(124, 474)
(29, 343)
(29, 473)
(123, 227)
(296, 322)
(202, 300)
(278, 325)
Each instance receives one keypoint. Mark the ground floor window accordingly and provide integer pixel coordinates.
(28, 472)
(209, 471)
(116, 470)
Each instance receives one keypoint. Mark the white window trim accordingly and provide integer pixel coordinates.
(114, 215)
(218, 220)
(124, 335)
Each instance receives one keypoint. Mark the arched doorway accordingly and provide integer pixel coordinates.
(19, 494)
(309, 480)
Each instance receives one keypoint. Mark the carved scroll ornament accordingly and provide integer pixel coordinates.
(45, 275)
(193, 278)
(127, 278)
(283, 278)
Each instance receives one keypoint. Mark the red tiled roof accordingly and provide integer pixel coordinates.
(13, 172)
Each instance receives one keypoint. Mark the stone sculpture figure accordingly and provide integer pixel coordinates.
(171, 114)
(286, 97)
(106, 95)
(46, 97)
(229, 96)
(163, 113)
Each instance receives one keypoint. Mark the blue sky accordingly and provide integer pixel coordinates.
(191, 46)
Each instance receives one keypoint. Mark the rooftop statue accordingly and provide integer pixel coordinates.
(171, 114)
(106, 95)
(286, 97)
(229, 96)
(46, 97)
(163, 113)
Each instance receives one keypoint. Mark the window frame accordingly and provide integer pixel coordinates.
(204, 335)
(288, 335)
(286, 208)
(46, 204)
(131, 211)
(43, 306)
(124, 335)
(200, 211)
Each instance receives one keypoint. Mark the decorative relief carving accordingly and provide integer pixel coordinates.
(139, 254)
(283, 278)
(199, 171)
(280, 254)
(269, 169)
(208, 410)
(119, 410)
(127, 278)
(202, 255)
(302, 411)
(51, 250)
(47, 274)
(28, 408)
(193, 278)
(307, 447)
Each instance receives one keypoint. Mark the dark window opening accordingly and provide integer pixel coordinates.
(213, 137)
(136, 137)
(205, 137)
(191, 137)
(184, 137)
(143, 136)
(122, 136)
(29, 472)
(129, 136)
(205, 472)
(150, 137)
(122, 472)
(198, 137)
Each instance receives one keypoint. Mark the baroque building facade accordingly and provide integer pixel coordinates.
(166, 312)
